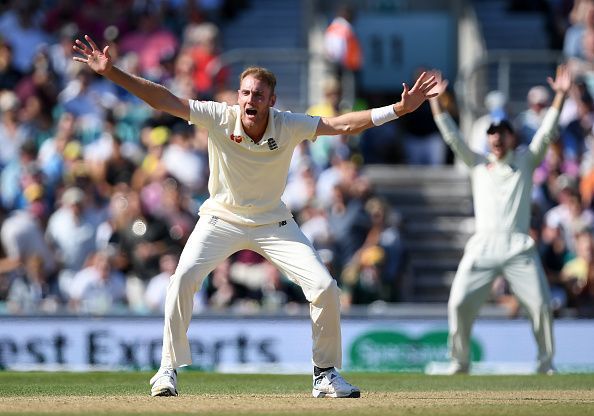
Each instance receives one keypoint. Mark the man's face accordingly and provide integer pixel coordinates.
(501, 142)
(254, 98)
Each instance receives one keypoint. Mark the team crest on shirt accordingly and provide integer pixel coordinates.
(236, 139)
(272, 144)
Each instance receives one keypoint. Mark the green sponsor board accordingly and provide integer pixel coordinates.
(396, 351)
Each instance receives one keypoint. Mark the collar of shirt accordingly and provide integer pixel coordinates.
(247, 140)
(507, 160)
(503, 166)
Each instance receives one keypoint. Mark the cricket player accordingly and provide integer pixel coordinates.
(501, 187)
(250, 146)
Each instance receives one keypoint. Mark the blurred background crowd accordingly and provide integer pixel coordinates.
(99, 193)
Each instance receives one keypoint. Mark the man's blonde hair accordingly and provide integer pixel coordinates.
(260, 73)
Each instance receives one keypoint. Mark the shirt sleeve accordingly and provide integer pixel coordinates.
(207, 113)
(546, 133)
(301, 126)
(453, 138)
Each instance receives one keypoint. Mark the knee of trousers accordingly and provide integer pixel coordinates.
(327, 289)
(184, 282)
(458, 305)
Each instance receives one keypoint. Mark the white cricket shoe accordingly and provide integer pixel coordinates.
(547, 369)
(456, 368)
(164, 383)
(331, 384)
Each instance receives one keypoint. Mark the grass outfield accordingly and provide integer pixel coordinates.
(126, 393)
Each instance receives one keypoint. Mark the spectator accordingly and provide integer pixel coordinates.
(527, 122)
(33, 290)
(382, 145)
(22, 238)
(573, 46)
(9, 75)
(14, 176)
(343, 51)
(183, 162)
(577, 275)
(384, 233)
(564, 220)
(71, 232)
(150, 41)
(222, 293)
(177, 211)
(156, 288)
(210, 75)
(152, 168)
(422, 142)
(98, 289)
(330, 106)
(362, 277)
(348, 220)
(301, 188)
(51, 154)
(20, 27)
(143, 238)
(12, 132)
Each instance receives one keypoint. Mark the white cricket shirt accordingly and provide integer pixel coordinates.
(247, 179)
(502, 189)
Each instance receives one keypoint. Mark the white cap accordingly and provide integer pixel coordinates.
(539, 95)
(72, 196)
(495, 100)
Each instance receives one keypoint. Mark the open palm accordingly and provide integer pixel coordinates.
(441, 84)
(562, 81)
(421, 90)
(98, 60)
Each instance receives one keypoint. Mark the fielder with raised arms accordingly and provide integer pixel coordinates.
(501, 187)
(250, 146)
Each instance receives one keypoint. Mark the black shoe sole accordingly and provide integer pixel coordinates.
(353, 395)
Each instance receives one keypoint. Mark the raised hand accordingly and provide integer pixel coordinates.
(421, 90)
(441, 84)
(98, 60)
(562, 81)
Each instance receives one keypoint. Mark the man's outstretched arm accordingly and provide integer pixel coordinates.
(358, 121)
(547, 132)
(155, 95)
(446, 125)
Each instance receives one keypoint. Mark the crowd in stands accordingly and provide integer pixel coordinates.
(99, 192)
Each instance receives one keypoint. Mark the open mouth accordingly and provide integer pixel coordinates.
(251, 111)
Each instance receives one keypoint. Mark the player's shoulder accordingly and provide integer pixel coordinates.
(287, 115)
(210, 105)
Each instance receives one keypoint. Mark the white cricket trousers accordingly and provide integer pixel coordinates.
(285, 246)
(496, 256)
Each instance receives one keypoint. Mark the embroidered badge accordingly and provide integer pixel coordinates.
(272, 144)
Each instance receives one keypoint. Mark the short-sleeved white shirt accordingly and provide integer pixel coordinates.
(247, 179)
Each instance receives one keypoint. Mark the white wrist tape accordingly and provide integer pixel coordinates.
(382, 115)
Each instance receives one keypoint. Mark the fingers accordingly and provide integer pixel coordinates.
(81, 48)
(91, 42)
(429, 87)
(420, 80)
